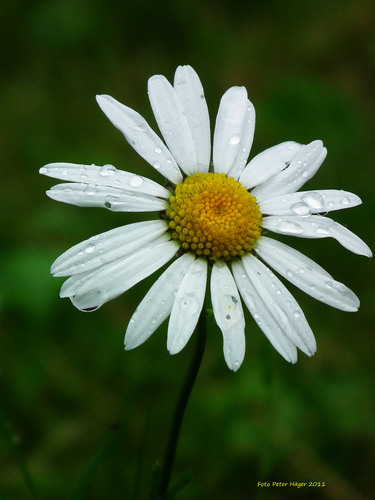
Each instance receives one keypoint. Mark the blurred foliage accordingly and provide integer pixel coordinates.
(76, 408)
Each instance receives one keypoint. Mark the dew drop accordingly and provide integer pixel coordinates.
(107, 170)
(314, 200)
(322, 229)
(345, 201)
(300, 208)
(156, 165)
(89, 248)
(290, 227)
(135, 181)
(157, 150)
(142, 127)
(234, 139)
(289, 273)
(90, 190)
(90, 309)
(297, 314)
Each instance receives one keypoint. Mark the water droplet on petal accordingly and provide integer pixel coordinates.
(289, 273)
(91, 190)
(107, 170)
(89, 248)
(234, 139)
(135, 181)
(345, 201)
(314, 200)
(300, 208)
(157, 150)
(290, 227)
(297, 314)
(322, 229)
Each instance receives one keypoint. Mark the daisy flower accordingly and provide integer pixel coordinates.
(212, 220)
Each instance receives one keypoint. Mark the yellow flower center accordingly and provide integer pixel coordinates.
(214, 215)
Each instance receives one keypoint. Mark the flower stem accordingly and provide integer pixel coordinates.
(179, 412)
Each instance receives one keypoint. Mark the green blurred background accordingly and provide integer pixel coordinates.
(79, 410)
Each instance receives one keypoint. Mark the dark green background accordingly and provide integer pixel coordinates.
(74, 404)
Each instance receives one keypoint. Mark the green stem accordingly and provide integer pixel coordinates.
(187, 387)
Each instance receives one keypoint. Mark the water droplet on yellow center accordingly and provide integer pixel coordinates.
(214, 215)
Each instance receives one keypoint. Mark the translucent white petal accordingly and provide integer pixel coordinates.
(190, 92)
(316, 226)
(106, 247)
(141, 137)
(92, 289)
(304, 165)
(173, 123)
(262, 315)
(187, 306)
(306, 274)
(228, 314)
(106, 175)
(268, 163)
(157, 303)
(246, 143)
(116, 200)
(309, 202)
(229, 128)
(281, 304)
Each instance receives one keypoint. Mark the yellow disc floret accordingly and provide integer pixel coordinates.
(214, 215)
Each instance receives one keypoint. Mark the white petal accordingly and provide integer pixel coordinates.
(92, 289)
(316, 226)
(309, 202)
(246, 143)
(141, 137)
(268, 163)
(190, 92)
(228, 314)
(107, 247)
(116, 200)
(306, 274)
(173, 123)
(281, 304)
(187, 306)
(229, 128)
(304, 165)
(107, 175)
(157, 303)
(262, 315)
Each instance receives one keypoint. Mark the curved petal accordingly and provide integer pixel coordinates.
(268, 163)
(157, 304)
(187, 306)
(173, 123)
(229, 129)
(228, 314)
(190, 92)
(141, 137)
(116, 200)
(306, 274)
(281, 304)
(305, 203)
(245, 144)
(316, 226)
(304, 165)
(92, 289)
(106, 175)
(262, 315)
(107, 247)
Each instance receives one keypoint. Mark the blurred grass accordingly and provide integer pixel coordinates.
(75, 404)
